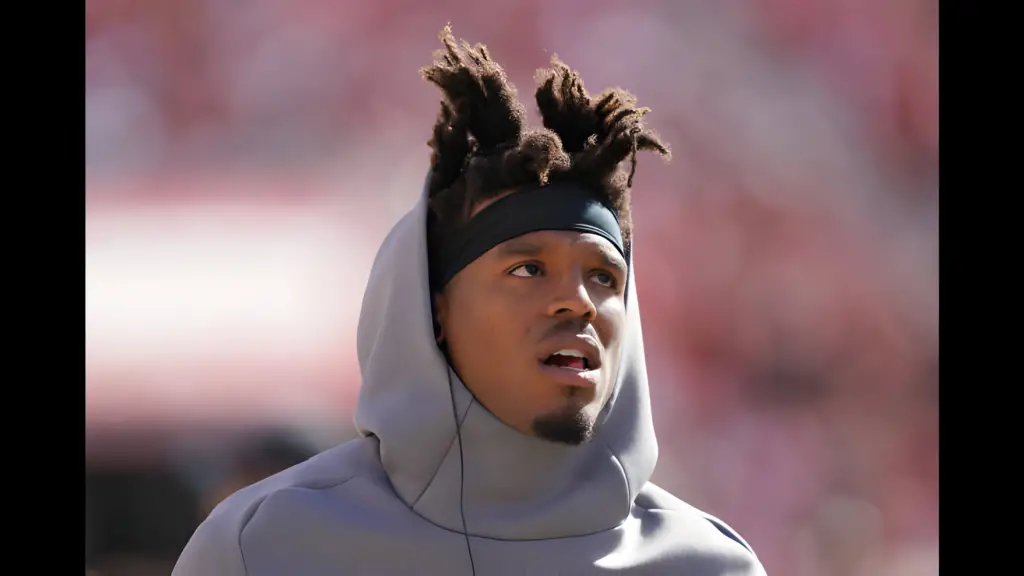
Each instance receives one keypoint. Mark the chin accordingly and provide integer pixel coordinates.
(573, 426)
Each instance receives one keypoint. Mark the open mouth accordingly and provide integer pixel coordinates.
(569, 359)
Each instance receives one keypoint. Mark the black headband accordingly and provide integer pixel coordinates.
(553, 207)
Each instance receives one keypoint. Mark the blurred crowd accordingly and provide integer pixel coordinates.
(787, 257)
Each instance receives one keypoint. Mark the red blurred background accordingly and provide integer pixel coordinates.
(244, 160)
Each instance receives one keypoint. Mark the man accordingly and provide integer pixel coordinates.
(504, 411)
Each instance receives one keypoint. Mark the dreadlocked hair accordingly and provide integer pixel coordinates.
(481, 148)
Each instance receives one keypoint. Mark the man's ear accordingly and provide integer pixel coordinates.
(440, 316)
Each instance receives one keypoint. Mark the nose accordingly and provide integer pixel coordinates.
(572, 299)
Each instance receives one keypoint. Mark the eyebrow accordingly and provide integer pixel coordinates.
(527, 249)
(612, 260)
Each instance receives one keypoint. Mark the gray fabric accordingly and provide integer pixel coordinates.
(389, 502)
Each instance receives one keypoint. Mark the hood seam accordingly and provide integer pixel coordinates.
(629, 490)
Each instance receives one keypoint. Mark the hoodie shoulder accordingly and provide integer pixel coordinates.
(215, 547)
(702, 529)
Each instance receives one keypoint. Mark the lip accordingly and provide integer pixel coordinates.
(582, 342)
(568, 377)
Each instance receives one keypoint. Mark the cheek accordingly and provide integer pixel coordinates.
(483, 331)
(463, 328)
(611, 322)
(611, 327)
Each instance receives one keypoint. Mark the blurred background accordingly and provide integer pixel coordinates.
(245, 159)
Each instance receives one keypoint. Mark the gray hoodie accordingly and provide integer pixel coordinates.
(402, 499)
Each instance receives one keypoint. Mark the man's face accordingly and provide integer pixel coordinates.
(534, 327)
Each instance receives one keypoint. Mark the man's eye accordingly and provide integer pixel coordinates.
(526, 271)
(604, 279)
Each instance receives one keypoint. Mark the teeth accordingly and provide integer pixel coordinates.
(568, 352)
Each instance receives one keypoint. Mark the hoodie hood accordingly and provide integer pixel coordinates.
(509, 486)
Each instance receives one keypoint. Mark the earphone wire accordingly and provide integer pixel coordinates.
(462, 475)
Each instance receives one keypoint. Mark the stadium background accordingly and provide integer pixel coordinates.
(244, 160)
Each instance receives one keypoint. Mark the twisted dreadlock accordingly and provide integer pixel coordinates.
(480, 148)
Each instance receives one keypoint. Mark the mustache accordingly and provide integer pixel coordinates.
(571, 327)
